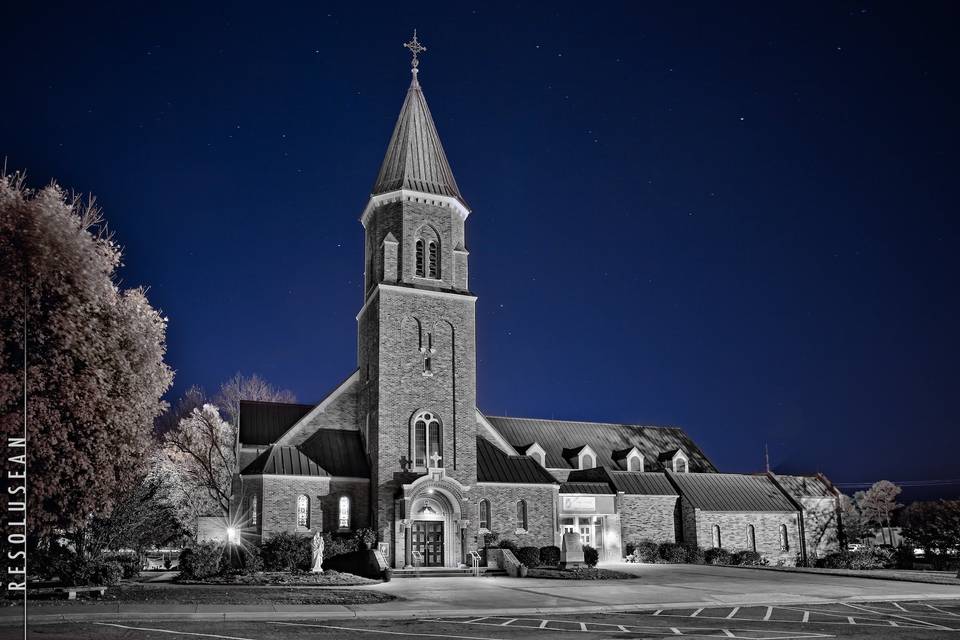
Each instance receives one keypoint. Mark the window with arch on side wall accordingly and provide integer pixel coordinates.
(717, 542)
(485, 514)
(427, 440)
(751, 538)
(433, 260)
(522, 514)
(421, 271)
(253, 511)
(303, 511)
(784, 538)
(343, 512)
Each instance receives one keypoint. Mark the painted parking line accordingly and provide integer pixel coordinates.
(409, 634)
(171, 631)
(577, 626)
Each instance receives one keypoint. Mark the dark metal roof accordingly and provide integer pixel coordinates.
(585, 487)
(731, 492)
(265, 422)
(339, 451)
(667, 455)
(283, 461)
(493, 465)
(556, 435)
(415, 159)
(805, 486)
(629, 482)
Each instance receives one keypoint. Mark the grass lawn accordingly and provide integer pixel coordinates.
(216, 594)
(585, 573)
(328, 578)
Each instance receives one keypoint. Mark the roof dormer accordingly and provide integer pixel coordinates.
(582, 457)
(629, 459)
(536, 452)
(675, 460)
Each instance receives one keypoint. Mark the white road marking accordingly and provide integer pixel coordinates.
(896, 615)
(733, 613)
(696, 613)
(179, 633)
(583, 626)
(851, 620)
(676, 631)
(942, 611)
(504, 624)
(806, 616)
(543, 623)
(728, 633)
(767, 615)
(658, 612)
(415, 634)
(899, 607)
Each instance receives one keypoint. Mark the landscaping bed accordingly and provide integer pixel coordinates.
(329, 578)
(584, 573)
(172, 595)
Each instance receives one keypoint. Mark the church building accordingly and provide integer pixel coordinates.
(400, 445)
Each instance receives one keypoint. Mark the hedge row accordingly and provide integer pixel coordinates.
(683, 553)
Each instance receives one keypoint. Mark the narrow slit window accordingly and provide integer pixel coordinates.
(420, 269)
(434, 260)
(484, 514)
(344, 515)
(751, 538)
(522, 514)
(420, 436)
(717, 542)
(253, 511)
(303, 511)
(784, 538)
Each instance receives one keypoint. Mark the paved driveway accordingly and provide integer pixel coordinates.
(657, 585)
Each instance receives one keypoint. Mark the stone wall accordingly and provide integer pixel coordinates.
(541, 513)
(645, 517)
(733, 533)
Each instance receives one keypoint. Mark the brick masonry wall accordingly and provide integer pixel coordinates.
(733, 532)
(649, 518)
(279, 503)
(541, 513)
(359, 493)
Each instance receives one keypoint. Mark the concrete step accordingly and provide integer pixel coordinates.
(445, 572)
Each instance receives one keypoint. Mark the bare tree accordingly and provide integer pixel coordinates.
(202, 455)
(878, 504)
(855, 525)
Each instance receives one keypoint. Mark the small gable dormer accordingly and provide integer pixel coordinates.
(629, 459)
(582, 457)
(675, 460)
(536, 452)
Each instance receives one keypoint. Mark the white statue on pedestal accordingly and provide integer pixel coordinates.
(317, 553)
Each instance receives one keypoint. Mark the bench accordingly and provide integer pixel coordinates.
(70, 591)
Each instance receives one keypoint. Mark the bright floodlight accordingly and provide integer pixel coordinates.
(232, 534)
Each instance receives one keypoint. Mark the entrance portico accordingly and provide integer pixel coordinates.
(433, 522)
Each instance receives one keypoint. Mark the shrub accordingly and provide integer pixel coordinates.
(748, 559)
(693, 554)
(366, 539)
(644, 551)
(672, 552)
(590, 556)
(287, 552)
(717, 556)
(508, 544)
(529, 556)
(51, 561)
(129, 562)
(549, 556)
(201, 561)
(250, 560)
(92, 572)
(868, 558)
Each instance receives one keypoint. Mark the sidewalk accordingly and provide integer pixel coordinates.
(658, 587)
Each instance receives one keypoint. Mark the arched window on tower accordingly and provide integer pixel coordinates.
(427, 440)
(485, 514)
(522, 514)
(434, 260)
(303, 512)
(421, 271)
(716, 537)
(344, 512)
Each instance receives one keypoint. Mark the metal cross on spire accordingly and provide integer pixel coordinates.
(416, 49)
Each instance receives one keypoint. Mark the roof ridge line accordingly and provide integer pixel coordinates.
(605, 424)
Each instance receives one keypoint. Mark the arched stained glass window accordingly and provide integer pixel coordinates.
(427, 440)
(253, 511)
(303, 511)
(485, 514)
(421, 271)
(717, 542)
(784, 538)
(344, 512)
(434, 260)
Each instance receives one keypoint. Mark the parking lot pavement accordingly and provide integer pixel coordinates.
(894, 620)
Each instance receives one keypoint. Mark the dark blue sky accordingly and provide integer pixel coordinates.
(740, 219)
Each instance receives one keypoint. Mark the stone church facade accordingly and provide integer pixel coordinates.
(401, 447)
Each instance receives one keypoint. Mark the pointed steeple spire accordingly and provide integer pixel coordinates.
(415, 159)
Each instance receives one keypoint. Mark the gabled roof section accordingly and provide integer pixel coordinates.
(629, 482)
(731, 492)
(284, 461)
(415, 159)
(493, 465)
(338, 451)
(585, 487)
(264, 422)
(805, 486)
(604, 438)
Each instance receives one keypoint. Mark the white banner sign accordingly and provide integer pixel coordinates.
(579, 503)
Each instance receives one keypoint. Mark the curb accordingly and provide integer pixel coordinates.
(398, 614)
(829, 572)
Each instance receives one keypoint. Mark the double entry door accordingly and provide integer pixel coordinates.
(428, 540)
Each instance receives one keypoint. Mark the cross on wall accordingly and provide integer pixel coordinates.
(436, 458)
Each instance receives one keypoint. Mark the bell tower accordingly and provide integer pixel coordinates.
(416, 328)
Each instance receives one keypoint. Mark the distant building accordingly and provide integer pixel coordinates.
(400, 445)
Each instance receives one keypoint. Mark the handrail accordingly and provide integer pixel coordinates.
(417, 561)
(475, 561)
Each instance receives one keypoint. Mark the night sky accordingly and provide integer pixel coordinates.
(736, 218)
